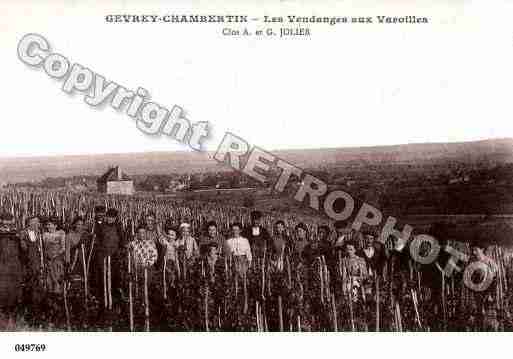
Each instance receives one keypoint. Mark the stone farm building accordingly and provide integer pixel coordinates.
(114, 181)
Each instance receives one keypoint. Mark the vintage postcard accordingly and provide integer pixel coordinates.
(273, 166)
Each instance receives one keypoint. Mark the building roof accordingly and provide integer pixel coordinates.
(114, 174)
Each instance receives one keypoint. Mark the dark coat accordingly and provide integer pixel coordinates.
(109, 239)
(378, 261)
(260, 243)
(11, 269)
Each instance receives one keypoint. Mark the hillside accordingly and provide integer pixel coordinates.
(36, 168)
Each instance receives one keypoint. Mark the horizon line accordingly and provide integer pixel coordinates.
(190, 151)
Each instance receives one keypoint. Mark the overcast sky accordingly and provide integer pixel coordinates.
(346, 85)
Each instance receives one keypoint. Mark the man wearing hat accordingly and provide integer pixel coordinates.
(319, 246)
(109, 245)
(258, 237)
(373, 252)
(11, 272)
(31, 241)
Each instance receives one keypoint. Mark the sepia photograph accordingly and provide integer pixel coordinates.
(240, 167)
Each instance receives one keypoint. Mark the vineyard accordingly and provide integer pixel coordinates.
(287, 291)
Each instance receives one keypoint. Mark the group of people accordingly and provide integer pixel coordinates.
(159, 266)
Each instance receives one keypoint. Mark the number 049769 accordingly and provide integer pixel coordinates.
(30, 347)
